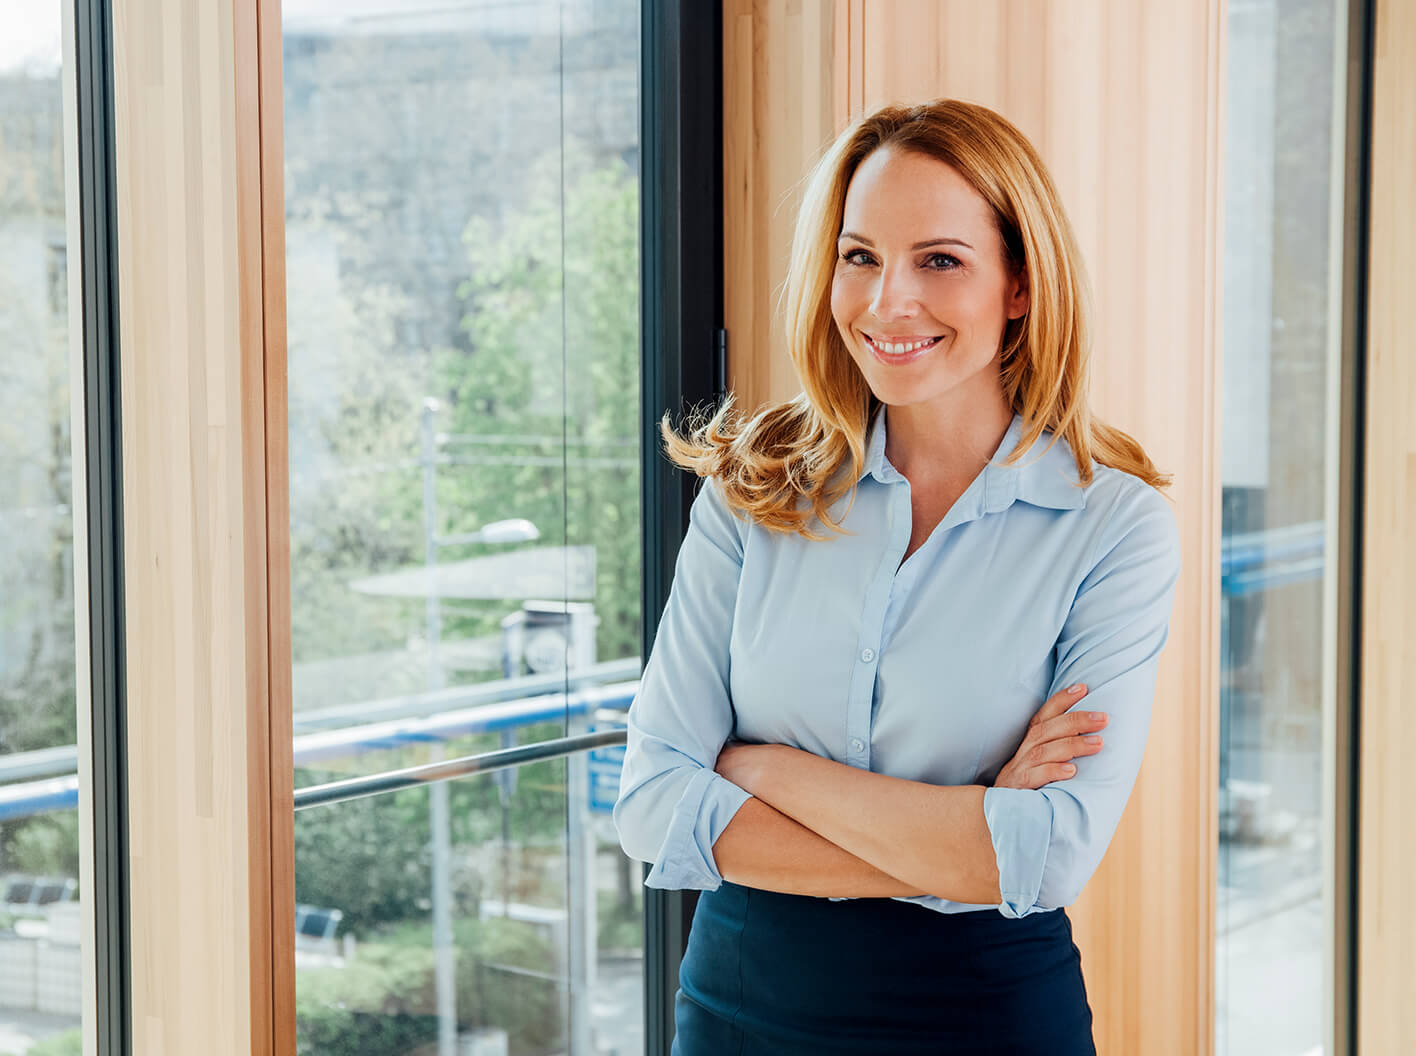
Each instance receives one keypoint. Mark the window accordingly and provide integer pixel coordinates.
(41, 964)
(1279, 691)
(463, 331)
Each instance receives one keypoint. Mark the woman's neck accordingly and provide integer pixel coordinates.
(927, 443)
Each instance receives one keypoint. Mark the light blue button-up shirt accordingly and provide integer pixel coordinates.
(930, 670)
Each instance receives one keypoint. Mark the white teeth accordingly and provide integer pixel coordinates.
(896, 349)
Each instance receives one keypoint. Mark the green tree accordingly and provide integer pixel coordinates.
(42, 845)
(553, 330)
(371, 858)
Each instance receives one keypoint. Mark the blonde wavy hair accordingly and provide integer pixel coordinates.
(794, 451)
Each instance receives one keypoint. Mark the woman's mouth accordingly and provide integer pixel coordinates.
(894, 352)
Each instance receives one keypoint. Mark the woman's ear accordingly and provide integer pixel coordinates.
(1018, 297)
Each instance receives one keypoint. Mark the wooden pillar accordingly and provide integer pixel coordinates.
(1386, 927)
(201, 320)
(1124, 102)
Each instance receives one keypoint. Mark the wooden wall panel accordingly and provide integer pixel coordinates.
(1123, 100)
(1386, 986)
(780, 99)
(210, 811)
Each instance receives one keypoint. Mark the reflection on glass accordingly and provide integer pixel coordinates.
(1277, 690)
(41, 970)
(462, 285)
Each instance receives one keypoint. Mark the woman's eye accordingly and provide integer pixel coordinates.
(935, 261)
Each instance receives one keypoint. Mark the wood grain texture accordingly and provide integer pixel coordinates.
(279, 806)
(276, 810)
(197, 521)
(779, 112)
(1124, 102)
(1386, 986)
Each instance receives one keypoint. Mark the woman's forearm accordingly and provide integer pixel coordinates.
(933, 837)
(763, 848)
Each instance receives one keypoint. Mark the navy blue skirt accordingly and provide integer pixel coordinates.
(768, 973)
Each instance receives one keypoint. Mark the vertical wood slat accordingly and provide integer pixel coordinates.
(251, 323)
(279, 807)
(205, 498)
(1124, 101)
(1386, 987)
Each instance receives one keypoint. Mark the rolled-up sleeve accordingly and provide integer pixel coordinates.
(672, 806)
(1049, 841)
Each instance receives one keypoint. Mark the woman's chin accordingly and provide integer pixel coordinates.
(892, 389)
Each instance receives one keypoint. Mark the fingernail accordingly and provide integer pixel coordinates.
(1092, 740)
(1069, 769)
(1097, 716)
(1076, 689)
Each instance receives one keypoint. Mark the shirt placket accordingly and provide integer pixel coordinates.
(870, 641)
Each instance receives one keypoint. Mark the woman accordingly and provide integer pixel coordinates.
(837, 737)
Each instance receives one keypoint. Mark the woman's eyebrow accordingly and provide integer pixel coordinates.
(918, 245)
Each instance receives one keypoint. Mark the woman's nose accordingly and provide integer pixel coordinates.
(896, 295)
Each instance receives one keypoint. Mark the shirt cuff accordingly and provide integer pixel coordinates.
(1020, 823)
(685, 861)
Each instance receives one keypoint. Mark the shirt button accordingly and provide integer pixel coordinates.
(867, 655)
(857, 745)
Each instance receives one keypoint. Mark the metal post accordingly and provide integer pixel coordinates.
(444, 963)
(580, 626)
(580, 891)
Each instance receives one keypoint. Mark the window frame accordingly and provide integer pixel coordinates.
(682, 354)
(91, 74)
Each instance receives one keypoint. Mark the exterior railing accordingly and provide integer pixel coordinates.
(447, 770)
(410, 724)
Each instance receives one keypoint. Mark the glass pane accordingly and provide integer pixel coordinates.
(529, 973)
(462, 273)
(1277, 687)
(41, 968)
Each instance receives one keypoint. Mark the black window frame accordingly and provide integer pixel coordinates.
(681, 353)
(103, 484)
(1355, 236)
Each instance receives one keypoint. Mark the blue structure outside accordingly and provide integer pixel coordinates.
(604, 766)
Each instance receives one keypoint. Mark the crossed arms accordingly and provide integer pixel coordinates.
(818, 827)
(702, 809)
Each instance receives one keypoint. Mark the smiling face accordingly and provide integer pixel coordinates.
(922, 293)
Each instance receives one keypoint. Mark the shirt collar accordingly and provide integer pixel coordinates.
(1042, 476)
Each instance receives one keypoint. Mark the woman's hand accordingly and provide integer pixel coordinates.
(1055, 736)
(742, 763)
